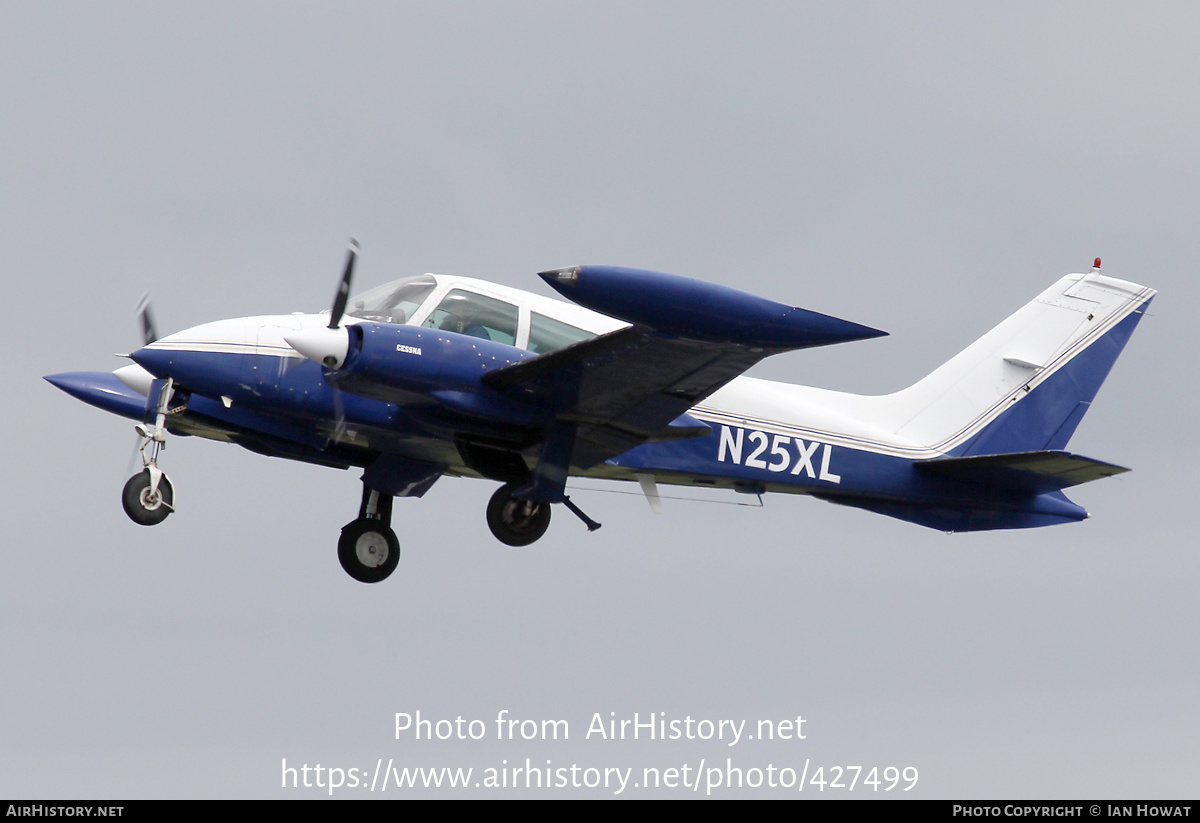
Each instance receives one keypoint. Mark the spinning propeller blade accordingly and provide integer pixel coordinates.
(146, 320)
(343, 292)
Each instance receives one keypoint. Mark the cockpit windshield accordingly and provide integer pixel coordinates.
(464, 306)
(392, 302)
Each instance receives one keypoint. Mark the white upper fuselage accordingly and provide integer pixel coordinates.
(263, 335)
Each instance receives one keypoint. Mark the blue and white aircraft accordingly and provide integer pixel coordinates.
(638, 379)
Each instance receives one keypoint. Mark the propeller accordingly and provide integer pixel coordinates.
(146, 320)
(329, 346)
(343, 292)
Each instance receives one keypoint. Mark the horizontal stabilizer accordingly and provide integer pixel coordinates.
(1033, 472)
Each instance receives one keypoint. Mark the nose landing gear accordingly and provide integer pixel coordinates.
(148, 496)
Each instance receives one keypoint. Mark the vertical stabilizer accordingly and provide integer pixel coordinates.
(1026, 384)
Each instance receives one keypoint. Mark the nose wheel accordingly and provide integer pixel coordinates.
(146, 502)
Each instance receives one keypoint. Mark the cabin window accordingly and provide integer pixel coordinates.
(475, 315)
(546, 334)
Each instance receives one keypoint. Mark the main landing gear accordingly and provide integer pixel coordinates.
(368, 549)
(148, 496)
(518, 522)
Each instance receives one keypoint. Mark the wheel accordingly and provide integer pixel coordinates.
(144, 508)
(516, 522)
(368, 550)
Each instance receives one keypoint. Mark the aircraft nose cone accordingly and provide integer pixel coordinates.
(156, 361)
(325, 346)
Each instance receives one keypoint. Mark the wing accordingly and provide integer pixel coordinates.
(624, 388)
(635, 385)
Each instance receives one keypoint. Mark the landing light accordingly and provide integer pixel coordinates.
(569, 276)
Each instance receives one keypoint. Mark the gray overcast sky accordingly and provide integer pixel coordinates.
(923, 168)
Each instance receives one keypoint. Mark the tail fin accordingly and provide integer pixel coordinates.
(995, 418)
(1025, 385)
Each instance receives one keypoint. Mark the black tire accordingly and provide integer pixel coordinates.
(368, 550)
(142, 507)
(516, 522)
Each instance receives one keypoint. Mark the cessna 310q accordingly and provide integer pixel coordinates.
(639, 381)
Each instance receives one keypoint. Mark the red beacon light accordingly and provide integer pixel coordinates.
(1096, 265)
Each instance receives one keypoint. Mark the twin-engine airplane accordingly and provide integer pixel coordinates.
(639, 381)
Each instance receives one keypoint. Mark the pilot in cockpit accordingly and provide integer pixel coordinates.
(462, 317)
(476, 315)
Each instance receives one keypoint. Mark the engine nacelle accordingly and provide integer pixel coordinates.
(409, 366)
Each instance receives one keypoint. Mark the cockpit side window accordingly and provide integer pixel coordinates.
(546, 334)
(393, 302)
(476, 315)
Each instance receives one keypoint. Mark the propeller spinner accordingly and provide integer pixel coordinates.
(328, 346)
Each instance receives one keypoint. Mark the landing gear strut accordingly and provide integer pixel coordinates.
(516, 522)
(368, 549)
(148, 496)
